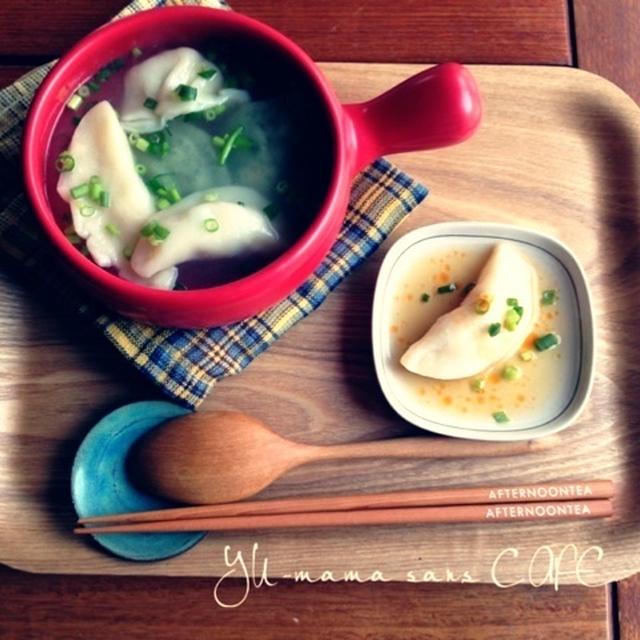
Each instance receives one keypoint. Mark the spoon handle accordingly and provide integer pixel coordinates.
(432, 448)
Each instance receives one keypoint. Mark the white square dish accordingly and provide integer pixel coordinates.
(554, 388)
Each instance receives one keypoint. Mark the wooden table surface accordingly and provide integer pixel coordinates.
(597, 35)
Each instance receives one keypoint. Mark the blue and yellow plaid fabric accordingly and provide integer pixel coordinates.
(187, 363)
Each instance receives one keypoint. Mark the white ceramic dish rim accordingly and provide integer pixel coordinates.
(499, 232)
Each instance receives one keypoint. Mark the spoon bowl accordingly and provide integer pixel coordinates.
(225, 456)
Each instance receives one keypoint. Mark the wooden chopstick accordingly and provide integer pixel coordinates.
(558, 491)
(504, 512)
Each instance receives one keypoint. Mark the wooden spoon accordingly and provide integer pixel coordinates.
(224, 456)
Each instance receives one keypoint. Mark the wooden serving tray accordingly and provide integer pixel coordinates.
(558, 152)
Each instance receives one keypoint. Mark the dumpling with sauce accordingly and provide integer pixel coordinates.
(219, 223)
(171, 84)
(490, 324)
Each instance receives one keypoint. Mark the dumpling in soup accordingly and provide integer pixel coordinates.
(204, 226)
(104, 163)
(460, 343)
(171, 84)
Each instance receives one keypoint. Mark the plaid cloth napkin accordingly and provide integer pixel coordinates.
(187, 363)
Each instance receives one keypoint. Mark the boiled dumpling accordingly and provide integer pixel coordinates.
(459, 345)
(100, 149)
(196, 228)
(158, 78)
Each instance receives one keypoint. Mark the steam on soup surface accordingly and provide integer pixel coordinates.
(186, 168)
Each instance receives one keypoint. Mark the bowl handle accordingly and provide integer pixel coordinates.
(435, 108)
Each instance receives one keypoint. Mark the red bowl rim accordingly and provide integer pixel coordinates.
(276, 274)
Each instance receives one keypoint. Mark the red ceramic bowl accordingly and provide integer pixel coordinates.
(435, 108)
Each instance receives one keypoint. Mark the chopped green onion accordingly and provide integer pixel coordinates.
(211, 225)
(468, 288)
(161, 232)
(207, 74)
(116, 65)
(136, 52)
(243, 142)
(425, 297)
(75, 102)
(511, 319)
(112, 229)
(162, 204)
(519, 310)
(105, 199)
(478, 385)
(80, 191)
(511, 373)
(211, 196)
(527, 355)
(174, 195)
(65, 162)
(546, 342)
(494, 329)
(133, 138)
(127, 252)
(500, 417)
(447, 288)
(93, 86)
(271, 210)
(72, 236)
(242, 204)
(86, 211)
(483, 304)
(141, 169)
(549, 297)
(213, 112)
(103, 75)
(186, 93)
(512, 302)
(83, 91)
(282, 187)
(228, 145)
(150, 103)
(95, 188)
(147, 230)
(218, 141)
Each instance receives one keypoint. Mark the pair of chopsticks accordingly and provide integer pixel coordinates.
(553, 501)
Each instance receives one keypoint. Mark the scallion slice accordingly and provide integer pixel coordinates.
(86, 211)
(211, 225)
(447, 288)
(150, 103)
(147, 230)
(500, 417)
(511, 319)
(511, 373)
(186, 93)
(483, 304)
(141, 169)
(83, 91)
(494, 329)
(162, 204)
(75, 102)
(112, 229)
(282, 187)
(105, 199)
(65, 162)
(478, 385)
(425, 297)
(207, 74)
(211, 196)
(80, 191)
(229, 143)
(512, 302)
(549, 297)
(547, 341)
